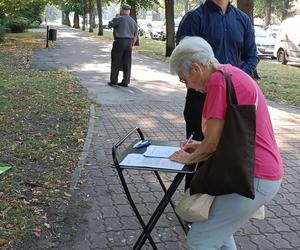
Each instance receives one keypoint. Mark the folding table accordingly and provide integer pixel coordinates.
(119, 156)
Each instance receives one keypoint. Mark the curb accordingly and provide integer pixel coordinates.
(85, 150)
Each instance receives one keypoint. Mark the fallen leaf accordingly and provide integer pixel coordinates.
(37, 234)
(25, 202)
(44, 216)
(47, 225)
(3, 242)
(67, 194)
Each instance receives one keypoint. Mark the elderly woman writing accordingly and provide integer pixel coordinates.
(194, 62)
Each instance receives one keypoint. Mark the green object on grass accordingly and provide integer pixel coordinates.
(4, 168)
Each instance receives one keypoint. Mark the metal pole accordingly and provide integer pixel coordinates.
(47, 37)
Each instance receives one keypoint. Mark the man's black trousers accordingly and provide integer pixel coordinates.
(121, 59)
(194, 103)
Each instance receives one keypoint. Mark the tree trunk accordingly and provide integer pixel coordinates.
(186, 6)
(170, 27)
(99, 12)
(285, 8)
(268, 10)
(83, 20)
(66, 19)
(133, 14)
(63, 17)
(91, 14)
(94, 19)
(247, 7)
(76, 21)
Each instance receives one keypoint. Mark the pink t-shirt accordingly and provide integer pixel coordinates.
(268, 163)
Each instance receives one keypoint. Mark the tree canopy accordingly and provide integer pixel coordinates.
(15, 7)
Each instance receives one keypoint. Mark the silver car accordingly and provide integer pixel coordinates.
(265, 43)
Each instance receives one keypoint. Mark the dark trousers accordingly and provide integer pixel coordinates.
(194, 103)
(121, 59)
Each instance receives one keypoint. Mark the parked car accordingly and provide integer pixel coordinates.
(265, 43)
(164, 34)
(154, 30)
(273, 30)
(142, 26)
(287, 47)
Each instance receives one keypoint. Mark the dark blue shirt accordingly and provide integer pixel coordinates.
(230, 34)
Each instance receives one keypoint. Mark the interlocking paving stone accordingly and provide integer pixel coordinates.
(278, 241)
(293, 238)
(262, 240)
(98, 240)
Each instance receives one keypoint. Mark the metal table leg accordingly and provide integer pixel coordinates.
(135, 208)
(158, 212)
(171, 203)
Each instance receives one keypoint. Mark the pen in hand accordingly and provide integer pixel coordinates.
(190, 138)
(180, 153)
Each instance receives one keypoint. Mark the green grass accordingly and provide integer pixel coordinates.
(280, 83)
(85, 203)
(43, 119)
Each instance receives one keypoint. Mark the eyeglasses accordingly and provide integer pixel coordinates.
(183, 81)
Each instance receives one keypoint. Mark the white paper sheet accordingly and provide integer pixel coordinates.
(160, 151)
(139, 160)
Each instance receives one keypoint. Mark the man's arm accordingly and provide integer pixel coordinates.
(134, 40)
(249, 52)
(135, 34)
(114, 23)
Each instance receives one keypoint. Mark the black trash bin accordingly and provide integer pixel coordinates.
(52, 34)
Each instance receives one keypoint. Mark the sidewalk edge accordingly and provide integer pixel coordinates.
(85, 150)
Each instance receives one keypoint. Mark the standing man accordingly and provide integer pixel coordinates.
(230, 33)
(125, 35)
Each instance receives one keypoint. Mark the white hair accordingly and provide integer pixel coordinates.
(191, 50)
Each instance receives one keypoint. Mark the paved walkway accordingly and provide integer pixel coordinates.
(98, 215)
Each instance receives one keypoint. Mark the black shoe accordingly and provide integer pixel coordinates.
(122, 84)
(112, 83)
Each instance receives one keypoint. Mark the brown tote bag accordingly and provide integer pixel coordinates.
(230, 169)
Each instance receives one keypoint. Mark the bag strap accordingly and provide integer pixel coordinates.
(230, 91)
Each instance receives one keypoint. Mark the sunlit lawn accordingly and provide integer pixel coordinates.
(280, 83)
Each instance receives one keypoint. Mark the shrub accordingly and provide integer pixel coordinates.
(18, 25)
(34, 24)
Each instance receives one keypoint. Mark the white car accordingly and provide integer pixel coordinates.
(176, 24)
(287, 47)
(143, 26)
(273, 30)
(154, 30)
(265, 43)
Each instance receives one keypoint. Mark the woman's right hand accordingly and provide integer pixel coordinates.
(189, 147)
